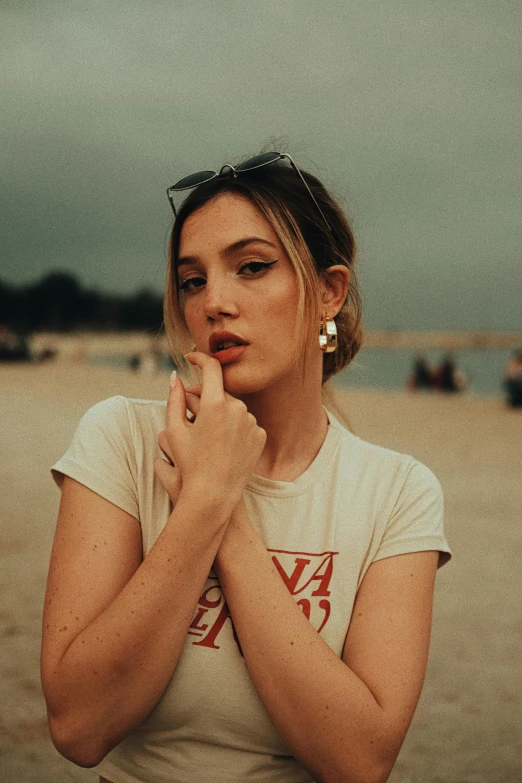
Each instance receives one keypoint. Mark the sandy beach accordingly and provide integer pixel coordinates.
(467, 728)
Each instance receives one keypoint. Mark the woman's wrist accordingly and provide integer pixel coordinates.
(211, 504)
(238, 536)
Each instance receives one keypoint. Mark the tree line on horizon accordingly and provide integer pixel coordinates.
(60, 303)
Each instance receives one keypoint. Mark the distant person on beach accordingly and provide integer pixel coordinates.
(240, 588)
(134, 362)
(148, 362)
(47, 354)
(513, 380)
(422, 375)
(448, 378)
(14, 346)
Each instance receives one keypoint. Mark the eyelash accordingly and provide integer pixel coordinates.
(185, 284)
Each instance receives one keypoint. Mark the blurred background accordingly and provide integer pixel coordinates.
(410, 112)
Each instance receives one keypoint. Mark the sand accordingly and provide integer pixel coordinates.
(468, 725)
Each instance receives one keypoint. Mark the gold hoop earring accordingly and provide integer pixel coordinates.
(327, 334)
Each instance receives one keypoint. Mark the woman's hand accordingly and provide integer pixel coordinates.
(215, 454)
(165, 469)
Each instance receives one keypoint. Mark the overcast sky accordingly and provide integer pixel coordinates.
(410, 110)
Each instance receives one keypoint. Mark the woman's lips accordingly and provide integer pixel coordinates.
(230, 354)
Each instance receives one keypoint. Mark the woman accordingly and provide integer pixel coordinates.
(244, 591)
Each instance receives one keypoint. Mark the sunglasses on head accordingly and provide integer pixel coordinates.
(193, 180)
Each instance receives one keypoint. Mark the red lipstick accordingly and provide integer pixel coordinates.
(226, 346)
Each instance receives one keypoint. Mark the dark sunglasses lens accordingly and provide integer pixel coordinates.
(193, 179)
(259, 160)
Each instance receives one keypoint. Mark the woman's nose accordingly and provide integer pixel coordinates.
(219, 301)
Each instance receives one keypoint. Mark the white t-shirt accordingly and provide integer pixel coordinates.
(355, 504)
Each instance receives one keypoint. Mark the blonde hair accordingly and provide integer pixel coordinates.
(312, 247)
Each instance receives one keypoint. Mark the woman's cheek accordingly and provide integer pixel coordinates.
(192, 321)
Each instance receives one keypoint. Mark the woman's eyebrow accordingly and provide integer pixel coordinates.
(230, 250)
(233, 248)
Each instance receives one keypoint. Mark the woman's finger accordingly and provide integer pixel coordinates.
(195, 389)
(169, 477)
(163, 443)
(212, 385)
(176, 404)
(193, 402)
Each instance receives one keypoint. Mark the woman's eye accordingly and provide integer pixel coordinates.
(191, 283)
(255, 267)
(250, 269)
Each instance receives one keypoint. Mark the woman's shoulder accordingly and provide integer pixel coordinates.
(118, 405)
(126, 414)
(381, 461)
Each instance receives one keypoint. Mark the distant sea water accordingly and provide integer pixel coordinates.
(389, 368)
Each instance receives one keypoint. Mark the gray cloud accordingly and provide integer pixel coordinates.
(409, 111)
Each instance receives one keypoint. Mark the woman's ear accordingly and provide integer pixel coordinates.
(335, 284)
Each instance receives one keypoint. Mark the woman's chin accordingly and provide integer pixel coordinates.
(239, 381)
(242, 378)
(238, 388)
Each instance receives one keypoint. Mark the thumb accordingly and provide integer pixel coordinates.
(176, 403)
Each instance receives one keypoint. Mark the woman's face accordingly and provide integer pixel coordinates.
(241, 293)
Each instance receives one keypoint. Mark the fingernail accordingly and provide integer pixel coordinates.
(172, 380)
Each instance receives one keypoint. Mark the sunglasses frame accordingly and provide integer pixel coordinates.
(235, 172)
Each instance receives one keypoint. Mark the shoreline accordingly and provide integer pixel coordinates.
(160, 373)
(75, 345)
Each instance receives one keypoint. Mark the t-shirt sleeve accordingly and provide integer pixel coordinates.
(416, 522)
(101, 455)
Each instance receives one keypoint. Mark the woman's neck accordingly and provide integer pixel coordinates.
(293, 417)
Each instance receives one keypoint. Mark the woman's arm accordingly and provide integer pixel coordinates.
(114, 626)
(345, 720)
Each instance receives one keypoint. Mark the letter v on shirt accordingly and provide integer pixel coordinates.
(310, 579)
